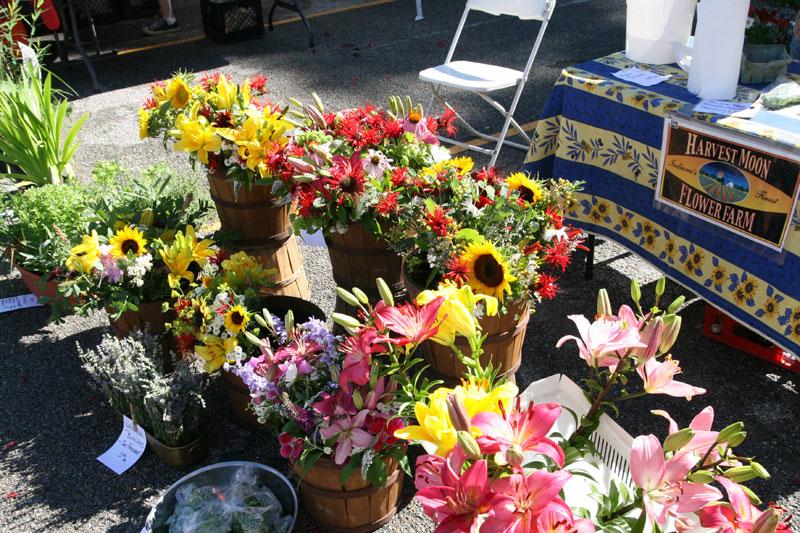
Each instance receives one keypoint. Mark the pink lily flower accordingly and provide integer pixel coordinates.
(458, 501)
(376, 163)
(340, 401)
(526, 429)
(381, 392)
(657, 377)
(703, 436)
(519, 500)
(562, 521)
(666, 491)
(349, 432)
(741, 517)
(414, 324)
(603, 337)
(358, 358)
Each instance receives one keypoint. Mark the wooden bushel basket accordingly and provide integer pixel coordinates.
(265, 232)
(239, 395)
(358, 259)
(148, 318)
(356, 507)
(502, 347)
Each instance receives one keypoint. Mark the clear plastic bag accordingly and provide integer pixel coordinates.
(784, 93)
(243, 506)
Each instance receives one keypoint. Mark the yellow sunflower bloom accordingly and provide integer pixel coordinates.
(144, 124)
(488, 272)
(529, 190)
(463, 165)
(128, 239)
(434, 423)
(85, 256)
(236, 319)
(179, 92)
(215, 351)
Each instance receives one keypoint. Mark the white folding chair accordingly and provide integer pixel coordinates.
(482, 78)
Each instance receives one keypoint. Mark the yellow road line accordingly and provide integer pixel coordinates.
(480, 142)
(276, 23)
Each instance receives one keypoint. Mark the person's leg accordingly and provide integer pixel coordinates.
(165, 8)
(165, 23)
(795, 48)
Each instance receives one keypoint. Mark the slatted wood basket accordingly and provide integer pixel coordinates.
(265, 232)
(356, 507)
(502, 346)
(358, 258)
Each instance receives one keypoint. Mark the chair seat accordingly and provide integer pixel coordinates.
(472, 76)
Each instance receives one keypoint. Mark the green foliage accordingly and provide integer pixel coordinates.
(32, 117)
(12, 13)
(29, 221)
(175, 198)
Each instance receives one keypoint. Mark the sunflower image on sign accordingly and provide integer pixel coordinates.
(724, 182)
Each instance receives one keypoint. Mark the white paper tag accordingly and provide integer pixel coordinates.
(721, 107)
(645, 78)
(18, 302)
(127, 450)
(313, 239)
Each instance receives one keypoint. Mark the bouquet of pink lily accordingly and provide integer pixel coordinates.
(346, 397)
(503, 468)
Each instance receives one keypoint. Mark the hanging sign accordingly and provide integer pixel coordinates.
(740, 182)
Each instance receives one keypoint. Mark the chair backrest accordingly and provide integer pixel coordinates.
(523, 9)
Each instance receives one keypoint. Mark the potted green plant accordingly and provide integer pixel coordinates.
(168, 406)
(768, 33)
(32, 120)
(36, 230)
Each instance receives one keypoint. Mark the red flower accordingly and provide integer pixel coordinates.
(546, 287)
(182, 304)
(557, 253)
(219, 258)
(399, 176)
(555, 217)
(347, 177)
(387, 205)
(438, 221)
(490, 176)
(185, 342)
(259, 83)
(446, 122)
(208, 81)
(223, 120)
(483, 201)
(457, 270)
(150, 103)
(533, 248)
(291, 446)
(393, 129)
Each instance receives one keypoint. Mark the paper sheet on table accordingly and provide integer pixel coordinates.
(127, 450)
(721, 107)
(644, 78)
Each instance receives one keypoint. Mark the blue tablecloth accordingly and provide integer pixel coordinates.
(608, 133)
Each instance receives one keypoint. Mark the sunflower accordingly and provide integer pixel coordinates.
(236, 319)
(488, 272)
(463, 165)
(128, 239)
(178, 90)
(529, 191)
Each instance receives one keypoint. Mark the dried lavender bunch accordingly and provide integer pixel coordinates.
(131, 373)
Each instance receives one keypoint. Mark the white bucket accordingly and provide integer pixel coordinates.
(653, 24)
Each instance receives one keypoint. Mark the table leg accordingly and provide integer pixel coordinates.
(297, 9)
(588, 272)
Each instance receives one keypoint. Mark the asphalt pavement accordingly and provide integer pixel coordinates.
(52, 426)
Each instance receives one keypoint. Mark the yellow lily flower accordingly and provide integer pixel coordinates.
(196, 136)
(144, 124)
(455, 316)
(477, 398)
(434, 423)
(85, 256)
(200, 250)
(177, 257)
(225, 96)
(215, 351)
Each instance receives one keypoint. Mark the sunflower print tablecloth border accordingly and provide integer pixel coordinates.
(608, 133)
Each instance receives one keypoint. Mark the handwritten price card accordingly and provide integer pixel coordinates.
(127, 450)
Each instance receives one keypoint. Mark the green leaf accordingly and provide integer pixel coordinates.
(376, 473)
(638, 526)
(469, 235)
(355, 462)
